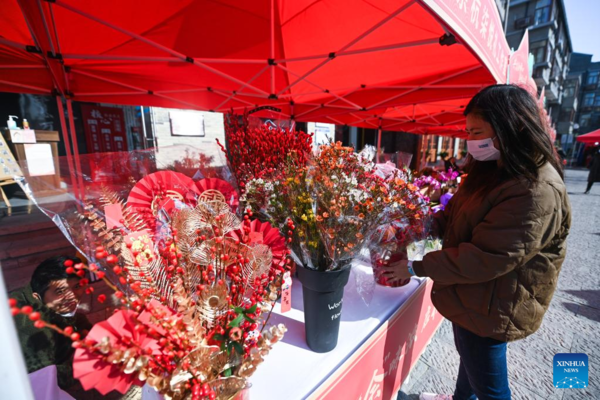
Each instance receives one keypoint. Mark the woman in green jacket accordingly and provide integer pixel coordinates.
(504, 237)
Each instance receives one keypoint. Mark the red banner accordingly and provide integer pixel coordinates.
(104, 128)
(478, 25)
(519, 67)
(378, 368)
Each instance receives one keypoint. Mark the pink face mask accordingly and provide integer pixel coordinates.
(483, 150)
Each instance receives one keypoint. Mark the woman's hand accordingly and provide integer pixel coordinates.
(396, 271)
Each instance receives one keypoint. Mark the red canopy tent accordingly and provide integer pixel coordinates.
(336, 61)
(406, 65)
(592, 138)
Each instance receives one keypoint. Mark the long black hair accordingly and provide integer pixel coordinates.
(523, 138)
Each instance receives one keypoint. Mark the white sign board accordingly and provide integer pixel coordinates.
(324, 133)
(39, 159)
(187, 123)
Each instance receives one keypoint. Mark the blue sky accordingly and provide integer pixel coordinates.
(583, 17)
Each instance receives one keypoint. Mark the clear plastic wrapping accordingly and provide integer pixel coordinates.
(331, 207)
(196, 278)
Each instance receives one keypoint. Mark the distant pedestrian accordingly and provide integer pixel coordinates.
(594, 175)
(451, 164)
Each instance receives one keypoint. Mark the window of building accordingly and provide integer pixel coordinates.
(588, 99)
(584, 120)
(569, 91)
(561, 39)
(556, 70)
(565, 115)
(592, 78)
(542, 11)
(538, 49)
(597, 101)
(539, 54)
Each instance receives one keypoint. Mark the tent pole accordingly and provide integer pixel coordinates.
(442, 79)
(158, 59)
(356, 106)
(144, 126)
(233, 94)
(22, 66)
(19, 85)
(75, 148)
(108, 94)
(378, 144)
(272, 45)
(65, 135)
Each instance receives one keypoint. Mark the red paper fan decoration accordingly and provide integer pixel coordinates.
(90, 368)
(264, 233)
(158, 187)
(210, 187)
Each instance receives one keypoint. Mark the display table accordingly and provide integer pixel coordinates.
(378, 345)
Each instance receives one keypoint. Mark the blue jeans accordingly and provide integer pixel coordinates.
(483, 373)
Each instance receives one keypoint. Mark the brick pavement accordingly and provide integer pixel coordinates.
(571, 325)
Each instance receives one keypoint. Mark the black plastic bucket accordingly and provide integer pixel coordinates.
(323, 293)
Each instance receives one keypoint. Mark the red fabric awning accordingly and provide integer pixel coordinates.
(591, 138)
(390, 64)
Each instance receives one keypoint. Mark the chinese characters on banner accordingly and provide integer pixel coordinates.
(104, 128)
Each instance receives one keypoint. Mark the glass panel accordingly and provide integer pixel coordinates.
(542, 15)
(585, 119)
(569, 92)
(539, 54)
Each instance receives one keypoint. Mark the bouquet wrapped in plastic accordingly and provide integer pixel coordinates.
(404, 237)
(330, 208)
(196, 283)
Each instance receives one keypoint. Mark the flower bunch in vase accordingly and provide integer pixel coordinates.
(329, 209)
(196, 284)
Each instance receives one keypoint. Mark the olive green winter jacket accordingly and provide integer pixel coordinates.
(502, 255)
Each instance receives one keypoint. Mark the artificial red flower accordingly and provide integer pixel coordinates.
(95, 373)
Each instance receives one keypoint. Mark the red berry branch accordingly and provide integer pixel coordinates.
(252, 152)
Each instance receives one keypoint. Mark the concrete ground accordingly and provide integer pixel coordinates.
(571, 325)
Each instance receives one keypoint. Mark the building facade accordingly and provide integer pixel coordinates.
(549, 42)
(588, 113)
(503, 11)
(566, 123)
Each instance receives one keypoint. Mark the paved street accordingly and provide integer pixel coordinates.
(572, 324)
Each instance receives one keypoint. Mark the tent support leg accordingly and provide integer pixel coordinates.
(65, 135)
(378, 145)
(75, 149)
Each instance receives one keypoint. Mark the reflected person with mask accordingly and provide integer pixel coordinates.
(55, 294)
(504, 240)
